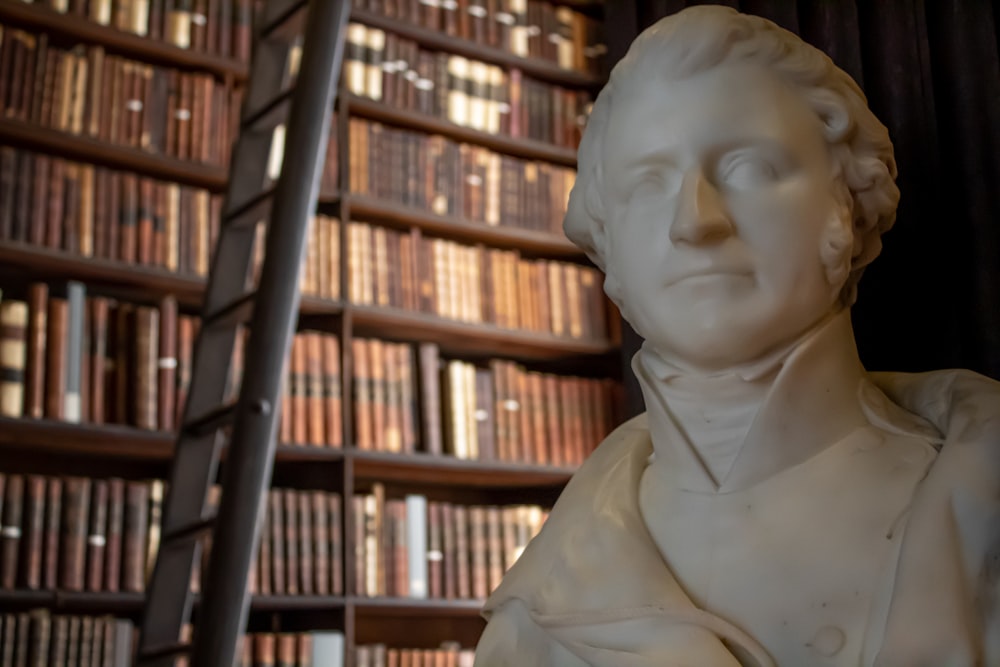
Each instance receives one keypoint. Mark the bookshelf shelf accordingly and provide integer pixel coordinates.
(463, 338)
(88, 149)
(121, 442)
(103, 602)
(146, 281)
(537, 68)
(450, 471)
(525, 148)
(528, 241)
(364, 606)
(40, 18)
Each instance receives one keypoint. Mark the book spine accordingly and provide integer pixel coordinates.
(53, 517)
(13, 356)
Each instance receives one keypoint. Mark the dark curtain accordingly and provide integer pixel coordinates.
(931, 72)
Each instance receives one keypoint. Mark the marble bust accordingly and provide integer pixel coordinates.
(777, 504)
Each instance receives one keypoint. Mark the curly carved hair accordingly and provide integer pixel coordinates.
(700, 38)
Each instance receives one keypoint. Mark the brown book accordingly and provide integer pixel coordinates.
(320, 532)
(98, 354)
(185, 347)
(76, 509)
(449, 541)
(40, 634)
(435, 551)
(276, 512)
(97, 538)
(314, 381)
(135, 536)
(479, 550)
(166, 364)
(291, 536)
(146, 373)
(307, 562)
(335, 513)
(56, 365)
(360, 573)
(364, 424)
(144, 223)
(430, 398)
(333, 403)
(53, 517)
(299, 386)
(128, 220)
(33, 533)
(114, 533)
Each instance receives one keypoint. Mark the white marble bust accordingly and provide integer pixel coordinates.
(776, 504)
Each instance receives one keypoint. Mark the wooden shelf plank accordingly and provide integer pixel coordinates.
(450, 471)
(534, 67)
(101, 602)
(382, 606)
(39, 18)
(153, 282)
(472, 339)
(525, 148)
(91, 150)
(46, 263)
(120, 442)
(528, 241)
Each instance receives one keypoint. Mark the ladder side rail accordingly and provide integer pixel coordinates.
(247, 472)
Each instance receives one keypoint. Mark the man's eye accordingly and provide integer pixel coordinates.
(748, 172)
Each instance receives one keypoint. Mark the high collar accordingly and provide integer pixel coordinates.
(812, 403)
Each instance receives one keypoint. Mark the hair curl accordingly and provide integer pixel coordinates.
(700, 38)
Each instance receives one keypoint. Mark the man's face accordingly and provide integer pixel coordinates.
(719, 191)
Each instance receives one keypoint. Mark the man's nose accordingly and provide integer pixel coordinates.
(701, 215)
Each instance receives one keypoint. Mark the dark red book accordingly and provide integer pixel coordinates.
(97, 538)
(33, 534)
(135, 536)
(73, 535)
(53, 529)
(167, 364)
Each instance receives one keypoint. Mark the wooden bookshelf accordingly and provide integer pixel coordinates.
(534, 67)
(143, 453)
(37, 17)
(528, 241)
(87, 149)
(529, 149)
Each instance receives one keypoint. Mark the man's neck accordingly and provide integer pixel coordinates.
(730, 430)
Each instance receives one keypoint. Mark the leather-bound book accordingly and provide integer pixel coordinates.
(53, 529)
(33, 533)
(316, 405)
(360, 573)
(76, 509)
(435, 551)
(113, 535)
(166, 364)
(56, 363)
(156, 493)
(73, 641)
(449, 539)
(307, 561)
(553, 429)
(97, 538)
(299, 386)
(85, 212)
(290, 509)
(286, 650)
(332, 390)
(320, 531)
(335, 513)
(276, 518)
(186, 330)
(535, 408)
(13, 356)
(144, 223)
(40, 185)
(363, 409)
(76, 336)
(264, 650)
(128, 218)
(60, 640)
(241, 29)
(407, 397)
(97, 377)
(478, 551)
(135, 536)
(146, 371)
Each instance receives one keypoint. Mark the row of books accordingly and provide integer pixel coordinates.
(285, 649)
(92, 359)
(84, 91)
(383, 67)
(94, 211)
(444, 177)
(496, 411)
(41, 639)
(526, 28)
(412, 547)
(301, 545)
(82, 534)
(74, 358)
(449, 654)
(474, 284)
(220, 27)
(78, 534)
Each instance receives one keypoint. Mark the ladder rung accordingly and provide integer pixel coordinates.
(188, 531)
(254, 116)
(213, 419)
(165, 651)
(277, 12)
(248, 206)
(234, 312)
